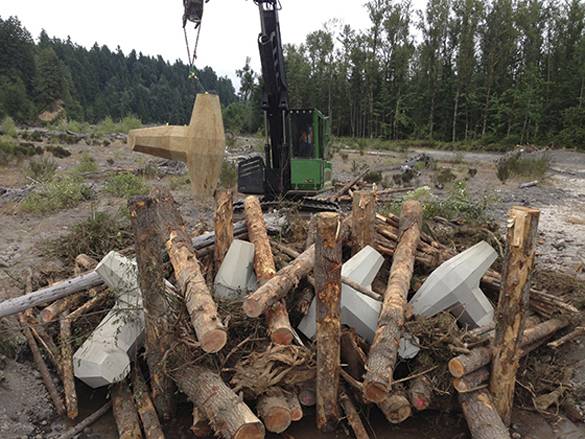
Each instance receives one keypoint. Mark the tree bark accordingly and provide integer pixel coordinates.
(363, 218)
(274, 411)
(67, 368)
(158, 332)
(224, 226)
(277, 287)
(125, 412)
(512, 307)
(279, 327)
(229, 417)
(145, 406)
(383, 355)
(420, 393)
(199, 302)
(328, 292)
(482, 418)
(482, 356)
(396, 408)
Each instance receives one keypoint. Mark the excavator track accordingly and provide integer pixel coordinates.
(308, 205)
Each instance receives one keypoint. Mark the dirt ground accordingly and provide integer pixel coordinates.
(25, 409)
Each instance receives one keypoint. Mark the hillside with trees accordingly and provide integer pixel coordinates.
(498, 72)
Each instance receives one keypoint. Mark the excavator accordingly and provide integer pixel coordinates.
(295, 161)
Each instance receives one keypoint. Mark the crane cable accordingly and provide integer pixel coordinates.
(193, 56)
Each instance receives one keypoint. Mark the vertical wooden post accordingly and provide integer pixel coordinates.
(224, 224)
(158, 337)
(279, 326)
(363, 216)
(328, 291)
(384, 352)
(512, 306)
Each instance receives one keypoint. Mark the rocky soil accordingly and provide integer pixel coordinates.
(26, 410)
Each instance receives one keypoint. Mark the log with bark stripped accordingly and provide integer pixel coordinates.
(199, 302)
(482, 356)
(228, 415)
(279, 327)
(224, 226)
(383, 355)
(363, 216)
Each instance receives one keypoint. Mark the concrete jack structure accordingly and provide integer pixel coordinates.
(357, 310)
(236, 277)
(455, 285)
(104, 357)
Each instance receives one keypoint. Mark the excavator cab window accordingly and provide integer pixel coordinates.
(302, 134)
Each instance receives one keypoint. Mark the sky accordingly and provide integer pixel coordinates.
(228, 36)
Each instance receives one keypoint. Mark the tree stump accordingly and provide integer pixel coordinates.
(158, 337)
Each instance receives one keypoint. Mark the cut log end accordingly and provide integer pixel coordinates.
(282, 336)
(72, 414)
(214, 340)
(396, 408)
(253, 430)
(278, 420)
(460, 384)
(456, 368)
(251, 307)
(375, 392)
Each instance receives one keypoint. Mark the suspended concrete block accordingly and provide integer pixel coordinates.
(236, 277)
(104, 357)
(357, 310)
(455, 285)
(201, 144)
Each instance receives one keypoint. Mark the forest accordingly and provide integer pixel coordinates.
(474, 72)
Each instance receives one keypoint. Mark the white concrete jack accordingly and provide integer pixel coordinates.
(104, 357)
(357, 310)
(455, 285)
(236, 277)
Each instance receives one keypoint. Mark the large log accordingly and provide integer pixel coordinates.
(67, 367)
(279, 327)
(198, 299)
(274, 411)
(482, 418)
(125, 412)
(383, 355)
(328, 293)
(145, 406)
(228, 415)
(362, 220)
(277, 287)
(158, 331)
(224, 226)
(482, 356)
(512, 307)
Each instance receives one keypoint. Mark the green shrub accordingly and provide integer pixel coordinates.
(373, 177)
(8, 127)
(526, 168)
(126, 185)
(60, 193)
(229, 174)
(7, 146)
(58, 151)
(43, 169)
(100, 233)
(86, 164)
(444, 176)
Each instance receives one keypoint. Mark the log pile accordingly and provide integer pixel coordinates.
(245, 374)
